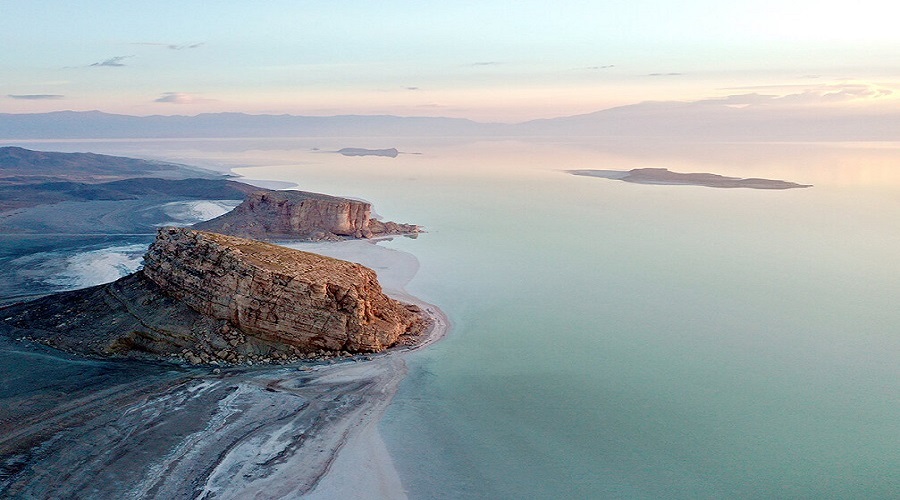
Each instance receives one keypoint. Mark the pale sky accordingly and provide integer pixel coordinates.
(486, 60)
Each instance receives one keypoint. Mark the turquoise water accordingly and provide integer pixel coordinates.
(614, 340)
(619, 340)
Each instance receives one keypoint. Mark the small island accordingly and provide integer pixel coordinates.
(667, 177)
(388, 153)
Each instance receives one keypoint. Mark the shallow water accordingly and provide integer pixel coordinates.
(622, 340)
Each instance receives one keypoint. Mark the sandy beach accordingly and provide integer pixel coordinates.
(363, 468)
(144, 431)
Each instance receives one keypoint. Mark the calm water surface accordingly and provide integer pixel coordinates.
(629, 341)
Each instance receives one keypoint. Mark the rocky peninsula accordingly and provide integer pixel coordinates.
(107, 427)
(210, 298)
(90, 412)
(665, 176)
(300, 215)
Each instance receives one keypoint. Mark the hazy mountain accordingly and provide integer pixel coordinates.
(749, 118)
(95, 124)
(720, 120)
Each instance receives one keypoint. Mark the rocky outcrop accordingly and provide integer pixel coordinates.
(207, 297)
(302, 215)
(278, 294)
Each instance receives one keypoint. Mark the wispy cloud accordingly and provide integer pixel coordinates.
(819, 94)
(594, 68)
(485, 63)
(180, 98)
(665, 74)
(185, 46)
(411, 88)
(112, 62)
(36, 97)
(173, 46)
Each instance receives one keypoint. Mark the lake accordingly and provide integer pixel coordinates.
(616, 340)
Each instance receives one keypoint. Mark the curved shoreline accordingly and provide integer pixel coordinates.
(362, 464)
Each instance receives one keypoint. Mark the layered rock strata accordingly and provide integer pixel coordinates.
(302, 215)
(207, 297)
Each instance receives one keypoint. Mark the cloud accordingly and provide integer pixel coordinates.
(180, 98)
(411, 88)
(665, 74)
(172, 46)
(593, 68)
(486, 63)
(113, 62)
(36, 97)
(185, 46)
(819, 94)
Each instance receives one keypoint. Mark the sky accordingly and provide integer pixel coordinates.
(506, 61)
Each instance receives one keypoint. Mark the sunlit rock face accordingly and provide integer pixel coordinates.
(304, 216)
(277, 294)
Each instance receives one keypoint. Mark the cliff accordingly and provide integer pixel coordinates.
(302, 215)
(207, 297)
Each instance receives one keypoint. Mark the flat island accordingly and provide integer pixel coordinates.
(665, 176)
(388, 153)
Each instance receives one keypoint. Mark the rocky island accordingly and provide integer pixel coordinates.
(665, 176)
(206, 297)
(268, 215)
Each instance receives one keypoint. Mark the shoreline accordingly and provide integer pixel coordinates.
(362, 464)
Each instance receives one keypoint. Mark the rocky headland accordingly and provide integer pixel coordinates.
(88, 410)
(300, 215)
(210, 298)
(665, 176)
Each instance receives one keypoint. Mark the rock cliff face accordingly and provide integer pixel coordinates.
(207, 297)
(277, 294)
(302, 215)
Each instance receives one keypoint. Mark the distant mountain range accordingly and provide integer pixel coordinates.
(701, 120)
(99, 125)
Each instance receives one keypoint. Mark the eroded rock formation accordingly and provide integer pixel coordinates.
(302, 215)
(207, 297)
